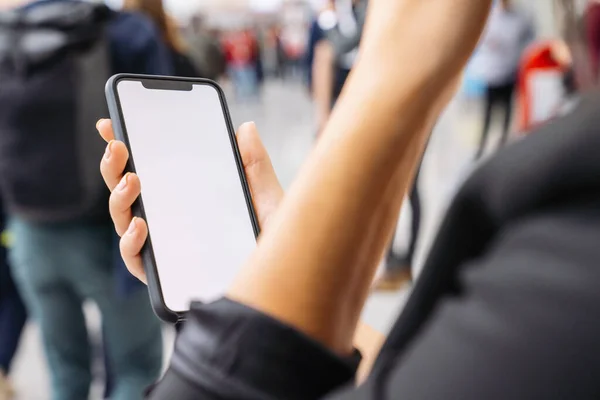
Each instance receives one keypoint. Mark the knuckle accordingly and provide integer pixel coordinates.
(115, 203)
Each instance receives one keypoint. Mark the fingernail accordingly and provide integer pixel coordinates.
(99, 122)
(123, 184)
(132, 226)
(248, 126)
(108, 152)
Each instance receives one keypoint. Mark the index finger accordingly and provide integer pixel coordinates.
(105, 128)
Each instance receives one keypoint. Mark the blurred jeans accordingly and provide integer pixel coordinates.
(245, 80)
(12, 315)
(57, 267)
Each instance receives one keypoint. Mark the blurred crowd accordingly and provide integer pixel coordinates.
(59, 248)
(53, 259)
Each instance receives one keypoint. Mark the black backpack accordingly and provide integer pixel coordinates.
(54, 62)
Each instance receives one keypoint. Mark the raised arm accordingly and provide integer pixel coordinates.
(314, 263)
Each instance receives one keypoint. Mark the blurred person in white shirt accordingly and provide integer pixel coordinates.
(508, 32)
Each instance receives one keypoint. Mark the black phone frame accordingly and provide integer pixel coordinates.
(120, 130)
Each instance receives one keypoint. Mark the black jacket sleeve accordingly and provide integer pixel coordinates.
(229, 351)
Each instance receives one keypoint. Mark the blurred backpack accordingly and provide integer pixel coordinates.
(54, 62)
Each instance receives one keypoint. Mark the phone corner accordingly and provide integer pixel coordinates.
(157, 301)
(112, 82)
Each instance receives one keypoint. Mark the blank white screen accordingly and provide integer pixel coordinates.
(195, 206)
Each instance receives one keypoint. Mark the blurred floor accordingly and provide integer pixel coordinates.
(284, 118)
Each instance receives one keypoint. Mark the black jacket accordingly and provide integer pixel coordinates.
(507, 307)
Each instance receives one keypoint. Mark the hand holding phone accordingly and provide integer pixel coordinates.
(266, 190)
(195, 197)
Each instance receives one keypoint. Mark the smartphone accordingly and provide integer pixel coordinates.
(195, 197)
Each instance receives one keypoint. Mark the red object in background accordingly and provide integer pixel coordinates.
(241, 48)
(538, 60)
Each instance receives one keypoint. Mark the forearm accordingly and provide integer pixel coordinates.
(314, 263)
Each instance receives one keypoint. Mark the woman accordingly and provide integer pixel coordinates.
(507, 305)
(154, 9)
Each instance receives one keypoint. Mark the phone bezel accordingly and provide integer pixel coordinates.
(120, 130)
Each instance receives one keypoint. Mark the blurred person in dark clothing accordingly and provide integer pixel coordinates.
(64, 249)
(336, 45)
(281, 56)
(205, 49)
(507, 304)
(315, 36)
(13, 316)
(257, 55)
(507, 34)
(178, 48)
(260, 66)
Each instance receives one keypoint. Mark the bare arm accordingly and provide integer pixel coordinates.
(314, 263)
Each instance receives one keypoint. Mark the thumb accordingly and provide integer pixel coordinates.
(264, 185)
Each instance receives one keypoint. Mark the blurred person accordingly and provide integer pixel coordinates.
(257, 55)
(205, 49)
(270, 56)
(508, 32)
(64, 249)
(154, 9)
(335, 52)
(241, 52)
(275, 51)
(13, 316)
(507, 305)
(260, 65)
(281, 56)
(293, 36)
(315, 37)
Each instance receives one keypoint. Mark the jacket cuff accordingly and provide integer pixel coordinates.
(234, 351)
